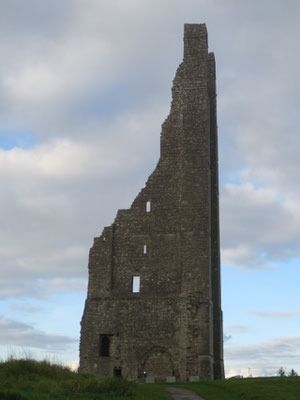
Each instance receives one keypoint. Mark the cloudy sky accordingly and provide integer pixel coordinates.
(84, 88)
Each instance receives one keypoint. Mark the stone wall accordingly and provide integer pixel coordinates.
(171, 323)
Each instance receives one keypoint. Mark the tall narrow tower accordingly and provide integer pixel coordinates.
(153, 306)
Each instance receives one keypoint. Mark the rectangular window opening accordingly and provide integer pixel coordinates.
(104, 345)
(145, 249)
(148, 206)
(136, 281)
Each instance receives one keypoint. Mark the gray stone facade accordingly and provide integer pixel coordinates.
(153, 307)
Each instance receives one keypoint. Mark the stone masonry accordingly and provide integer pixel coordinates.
(153, 309)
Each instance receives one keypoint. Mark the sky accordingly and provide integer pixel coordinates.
(84, 88)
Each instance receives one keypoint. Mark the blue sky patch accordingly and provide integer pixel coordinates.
(12, 139)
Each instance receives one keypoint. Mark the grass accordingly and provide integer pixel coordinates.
(41, 380)
(247, 389)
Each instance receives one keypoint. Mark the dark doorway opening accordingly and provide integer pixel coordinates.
(104, 345)
(118, 372)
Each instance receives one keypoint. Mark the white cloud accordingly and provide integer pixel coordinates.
(57, 196)
(263, 359)
(60, 160)
(275, 314)
(282, 348)
(237, 328)
(250, 370)
(258, 225)
(92, 84)
(33, 287)
(16, 333)
(26, 308)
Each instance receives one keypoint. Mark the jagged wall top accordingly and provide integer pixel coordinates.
(169, 240)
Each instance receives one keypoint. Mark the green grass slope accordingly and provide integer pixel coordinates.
(33, 380)
(247, 389)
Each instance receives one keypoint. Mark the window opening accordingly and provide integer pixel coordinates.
(136, 281)
(145, 249)
(148, 206)
(104, 345)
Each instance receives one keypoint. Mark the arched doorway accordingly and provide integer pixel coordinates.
(158, 365)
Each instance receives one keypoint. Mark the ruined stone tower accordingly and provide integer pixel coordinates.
(153, 306)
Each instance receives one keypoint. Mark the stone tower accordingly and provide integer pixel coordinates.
(153, 306)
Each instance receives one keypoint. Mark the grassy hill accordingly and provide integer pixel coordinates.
(33, 380)
(248, 389)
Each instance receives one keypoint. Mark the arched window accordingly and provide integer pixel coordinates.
(104, 345)
(148, 206)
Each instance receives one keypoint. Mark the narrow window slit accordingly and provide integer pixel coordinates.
(136, 281)
(148, 206)
(104, 345)
(145, 249)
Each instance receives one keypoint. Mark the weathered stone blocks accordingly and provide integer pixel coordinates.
(153, 309)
